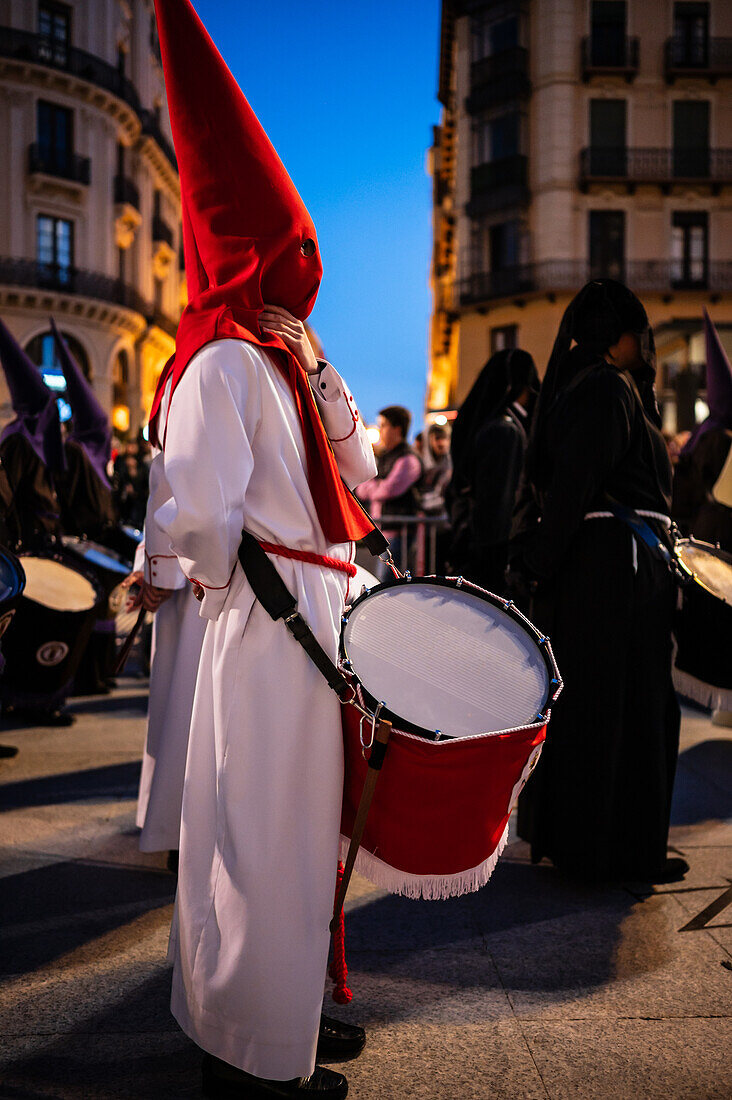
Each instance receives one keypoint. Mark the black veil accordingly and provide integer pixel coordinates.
(594, 321)
(503, 378)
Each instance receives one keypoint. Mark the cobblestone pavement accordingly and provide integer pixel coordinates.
(535, 987)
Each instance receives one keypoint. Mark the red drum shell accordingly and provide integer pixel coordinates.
(440, 811)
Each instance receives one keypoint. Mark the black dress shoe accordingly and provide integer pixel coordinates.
(224, 1082)
(7, 752)
(673, 870)
(38, 716)
(172, 861)
(337, 1040)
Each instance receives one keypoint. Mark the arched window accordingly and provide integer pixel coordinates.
(42, 351)
(120, 378)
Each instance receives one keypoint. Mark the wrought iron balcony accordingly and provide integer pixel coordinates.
(38, 49)
(664, 167)
(709, 58)
(605, 55)
(71, 280)
(41, 50)
(125, 191)
(60, 163)
(499, 78)
(161, 231)
(498, 184)
(552, 276)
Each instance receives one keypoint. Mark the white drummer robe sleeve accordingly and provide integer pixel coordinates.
(343, 425)
(208, 464)
(159, 563)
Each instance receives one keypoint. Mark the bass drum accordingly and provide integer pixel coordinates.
(703, 628)
(12, 583)
(467, 682)
(53, 620)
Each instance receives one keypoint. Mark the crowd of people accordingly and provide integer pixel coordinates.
(557, 494)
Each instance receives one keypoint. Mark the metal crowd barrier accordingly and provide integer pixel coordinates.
(418, 541)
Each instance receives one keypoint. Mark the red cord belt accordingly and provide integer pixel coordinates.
(346, 567)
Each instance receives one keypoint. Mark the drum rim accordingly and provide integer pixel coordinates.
(74, 544)
(554, 680)
(716, 551)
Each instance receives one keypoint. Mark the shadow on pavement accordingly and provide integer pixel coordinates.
(49, 911)
(110, 781)
(132, 1051)
(703, 790)
(107, 704)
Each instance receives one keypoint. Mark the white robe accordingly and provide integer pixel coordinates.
(263, 788)
(178, 632)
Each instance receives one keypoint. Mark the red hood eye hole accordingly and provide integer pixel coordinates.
(308, 247)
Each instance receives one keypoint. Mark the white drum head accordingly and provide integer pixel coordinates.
(445, 659)
(714, 571)
(57, 587)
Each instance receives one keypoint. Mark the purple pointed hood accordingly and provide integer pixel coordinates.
(90, 425)
(719, 386)
(34, 405)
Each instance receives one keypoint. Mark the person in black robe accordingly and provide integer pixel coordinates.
(598, 804)
(488, 446)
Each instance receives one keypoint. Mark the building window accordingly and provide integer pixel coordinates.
(497, 138)
(493, 36)
(607, 33)
(504, 337)
(689, 248)
(607, 244)
(158, 287)
(505, 245)
(55, 141)
(41, 350)
(691, 138)
(54, 26)
(55, 247)
(608, 137)
(691, 35)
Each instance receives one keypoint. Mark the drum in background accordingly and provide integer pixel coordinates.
(108, 565)
(12, 583)
(53, 621)
(703, 627)
(468, 682)
(95, 672)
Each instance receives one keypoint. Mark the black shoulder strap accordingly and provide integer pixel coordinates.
(279, 603)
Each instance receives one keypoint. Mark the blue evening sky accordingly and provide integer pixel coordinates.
(346, 90)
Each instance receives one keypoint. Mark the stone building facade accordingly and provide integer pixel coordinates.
(580, 138)
(89, 195)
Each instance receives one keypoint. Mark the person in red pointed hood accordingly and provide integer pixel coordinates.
(256, 435)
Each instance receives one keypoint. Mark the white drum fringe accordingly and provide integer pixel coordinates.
(428, 887)
(706, 694)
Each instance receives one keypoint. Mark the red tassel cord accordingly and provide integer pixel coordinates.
(342, 995)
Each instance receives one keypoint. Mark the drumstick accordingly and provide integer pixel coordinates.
(376, 759)
(128, 643)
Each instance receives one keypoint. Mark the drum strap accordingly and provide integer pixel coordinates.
(279, 603)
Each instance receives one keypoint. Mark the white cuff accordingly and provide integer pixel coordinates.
(163, 571)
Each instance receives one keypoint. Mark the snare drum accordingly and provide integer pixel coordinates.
(468, 683)
(109, 566)
(53, 620)
(703, 627)
(96, 667)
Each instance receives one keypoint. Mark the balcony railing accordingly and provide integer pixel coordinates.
(499, 78)
(606, 55)
(71, 280)
(126, 191)
(161, 231)
(552, 276)
(60, 163)
(498, 184)
(709, 58)
(660, 166)
(151, 126)
(40, 50)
